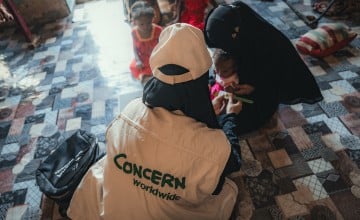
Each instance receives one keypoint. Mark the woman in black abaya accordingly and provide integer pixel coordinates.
(268, 63)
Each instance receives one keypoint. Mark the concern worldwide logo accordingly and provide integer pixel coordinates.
(156, 177)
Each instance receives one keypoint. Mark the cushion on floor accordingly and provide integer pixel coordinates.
(325, 40)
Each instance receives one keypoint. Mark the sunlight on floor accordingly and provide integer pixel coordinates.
(113, 39)
(115, 46)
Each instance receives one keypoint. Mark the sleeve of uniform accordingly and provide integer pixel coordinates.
(234, 162)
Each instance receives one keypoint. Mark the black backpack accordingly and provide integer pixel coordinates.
(61, 172)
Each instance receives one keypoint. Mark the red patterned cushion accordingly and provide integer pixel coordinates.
(325, 40)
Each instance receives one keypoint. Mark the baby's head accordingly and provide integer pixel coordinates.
(142, 15)
(225, 63)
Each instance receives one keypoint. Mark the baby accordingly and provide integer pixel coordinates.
(227, 80)
(226, 77)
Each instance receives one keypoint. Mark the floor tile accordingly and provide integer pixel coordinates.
(333, 141)
(332, 181)
(259, 145)
(328, 154)
(324, 208)
(298, 169)
(351, 101)
(336, 126)
(317, 127)
(262, 189)
(351, 142)
(319, 165)
(285, 185)
(16, 212)
(282, 140)
(348, 74)
(291, 118)
(274, 125)
(352, 122)
(16, 126)
(279, 158)
(261, 214)
(347, 204)
(317, 148)
(317, 118)
(330, 97)
(300, 138)
(354, 155)
(333, 109)
(251, 167)
(289, 207)
(314, 186)
(7, 179)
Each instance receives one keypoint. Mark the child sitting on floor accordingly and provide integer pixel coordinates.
(145, 35)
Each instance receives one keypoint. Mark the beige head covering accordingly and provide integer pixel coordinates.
(184, 45)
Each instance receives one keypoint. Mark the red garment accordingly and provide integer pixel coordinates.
(215, 90)
(144, 48)
(222, 83)
(193, 12)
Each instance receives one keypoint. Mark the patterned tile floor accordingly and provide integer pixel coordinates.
(303, 165)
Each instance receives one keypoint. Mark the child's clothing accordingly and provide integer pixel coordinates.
(144, 48)
(193, 12)
(221, 83)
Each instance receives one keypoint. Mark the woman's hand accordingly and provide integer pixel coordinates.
(219, 104)
(233, 106)
(243, 89)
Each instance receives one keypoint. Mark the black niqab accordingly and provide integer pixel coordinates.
(266, 59)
